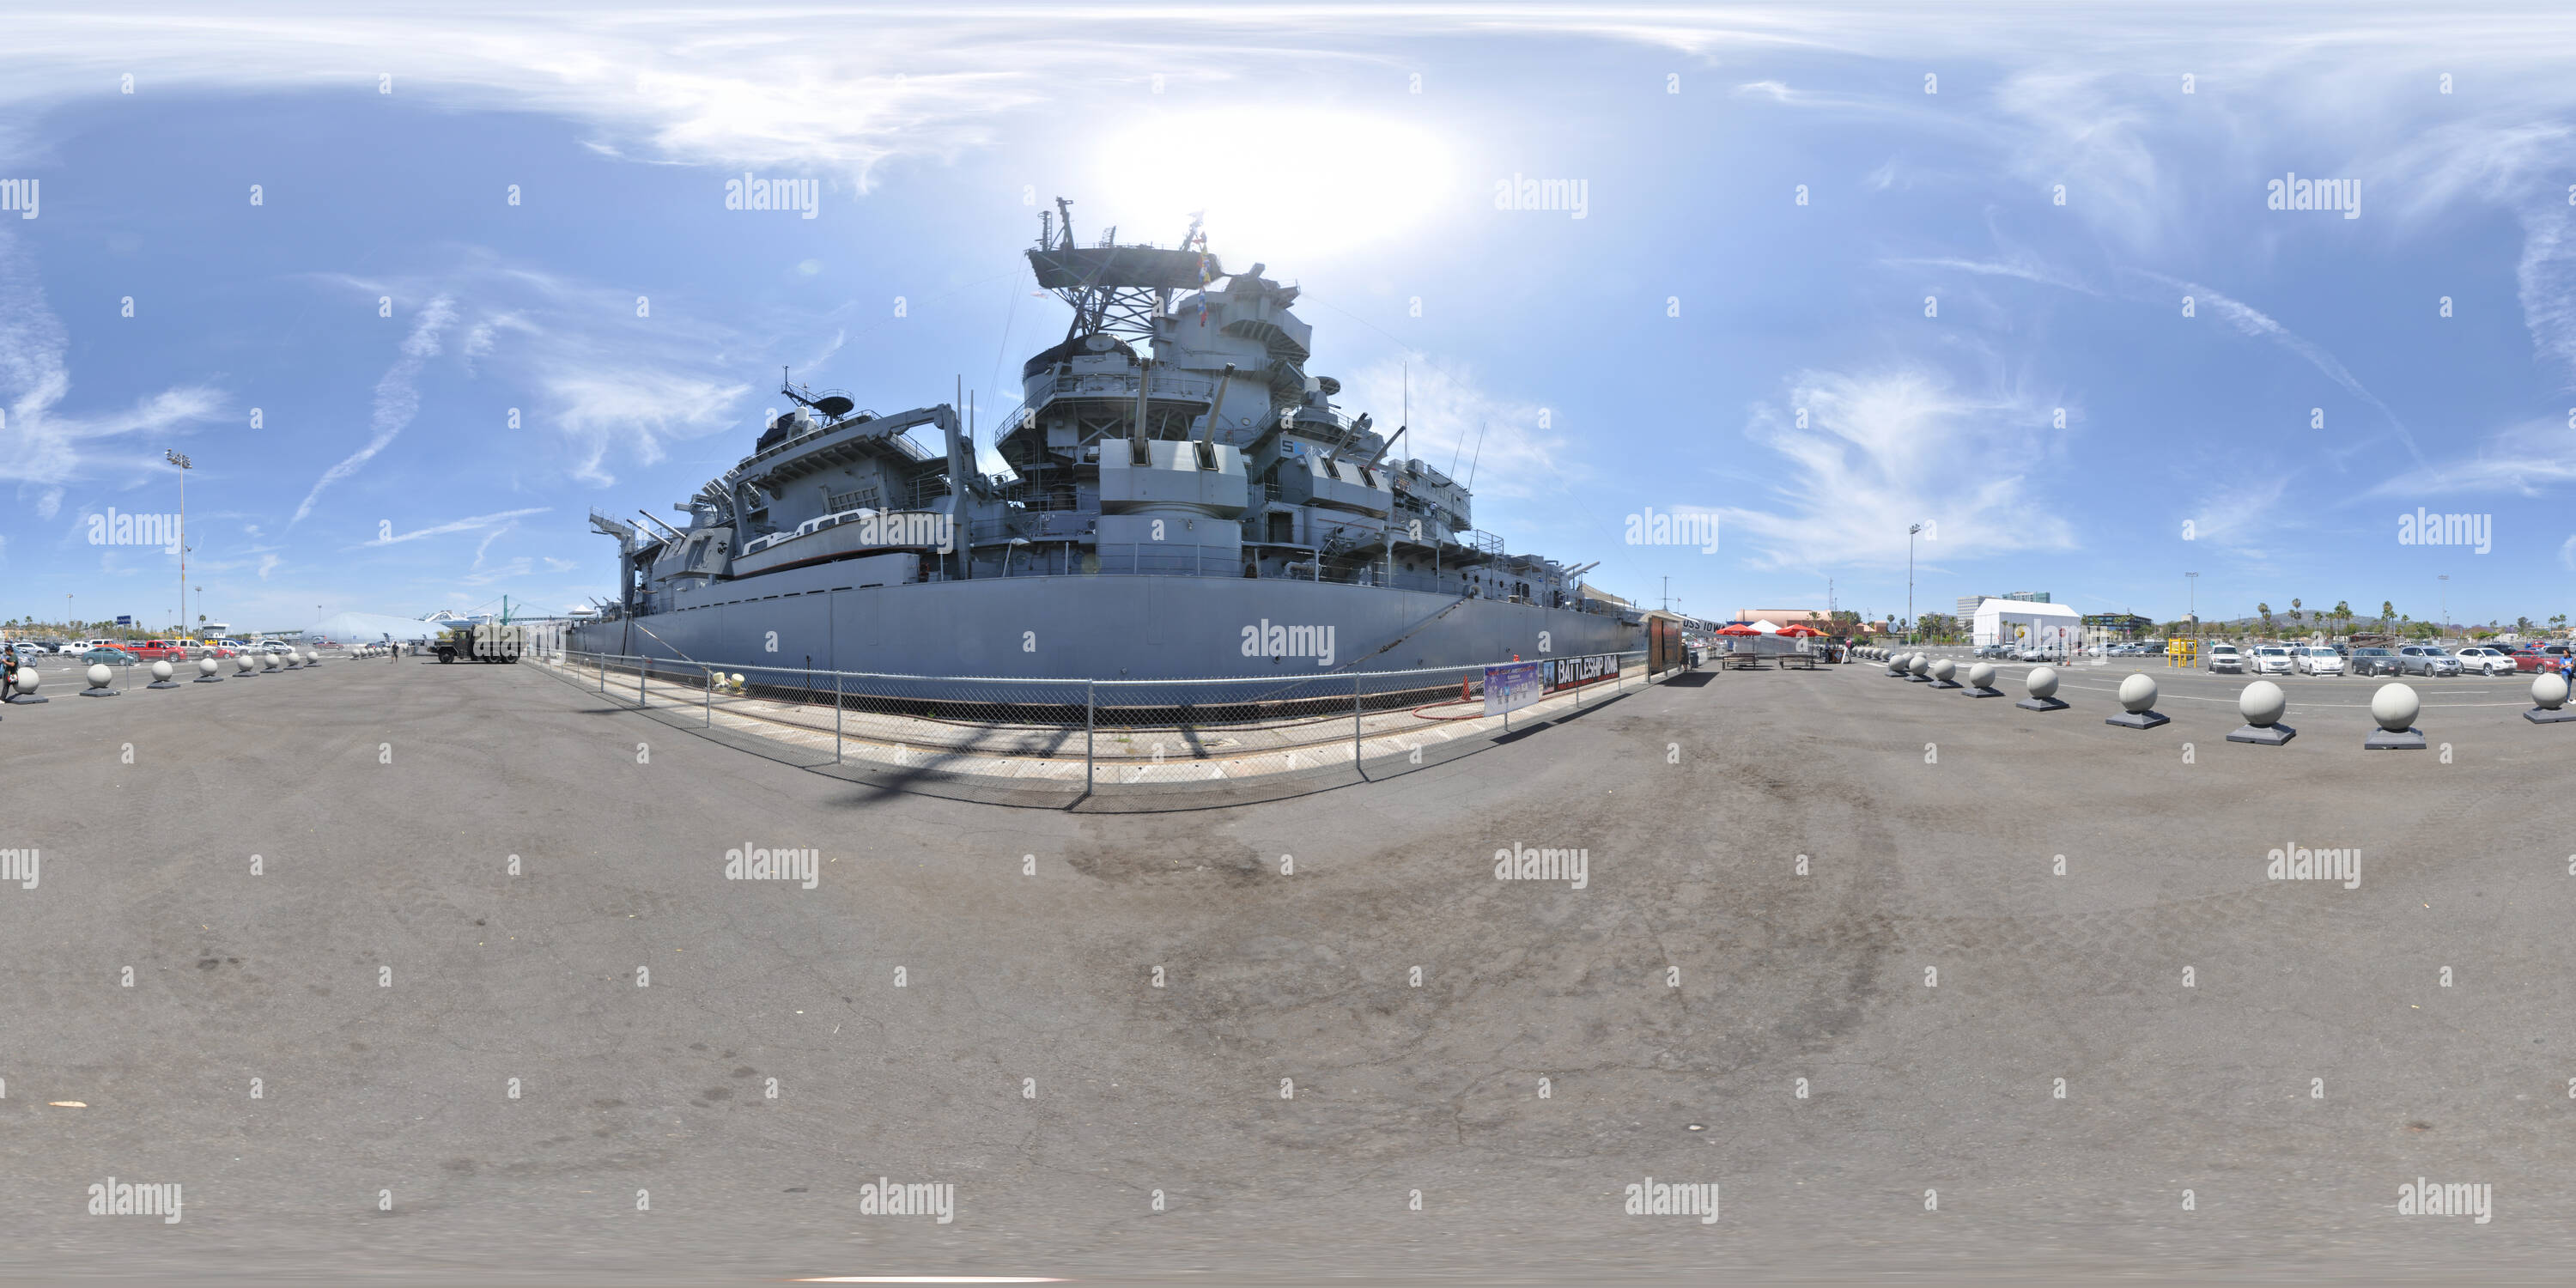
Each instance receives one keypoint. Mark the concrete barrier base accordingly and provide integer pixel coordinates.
(2402, 740)
(1947, 684)
(25, 699)
(2543, 715)
(1986, 693)
(162, 684)
(2139, 719)
(2264, 735)
(2042, 704)
(210, 679)
(102, 693)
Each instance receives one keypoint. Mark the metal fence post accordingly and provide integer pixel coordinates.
(711, 700)
(1355, 722)
(1090, 704)
(641, 662)
(836, 717)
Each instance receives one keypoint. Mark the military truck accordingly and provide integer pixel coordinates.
(486, 643)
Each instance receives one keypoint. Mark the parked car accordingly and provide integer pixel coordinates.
(110, 655)
(2270, 659)
(161, 651)
(2374, 661)
(2426, 660)
(2542, 657)
(2319, 661)
(2224, 657)
(2487, 661)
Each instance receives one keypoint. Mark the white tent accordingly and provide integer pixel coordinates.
(372, 628)
(2020, 622)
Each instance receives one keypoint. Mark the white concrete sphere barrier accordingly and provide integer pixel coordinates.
(2042, 682)
(208, 666)
(99, 675)
(2262, 704)
(1982, 675)
(294, 658)
(268, 660)
(160, 670)
(1919, 664)
(2549, 692)
(1944, 669)
(2138, 692)
(2395, 707)
(27, 680)
(243, 664)
(1896, 666)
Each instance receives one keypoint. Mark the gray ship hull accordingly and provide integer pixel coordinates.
(1097, 627)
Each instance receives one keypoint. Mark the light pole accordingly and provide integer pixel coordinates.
(180, 460)
(1910, 623)
(2446, 607)
(2191, 590)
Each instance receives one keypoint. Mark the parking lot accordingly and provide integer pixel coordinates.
(1824, 881)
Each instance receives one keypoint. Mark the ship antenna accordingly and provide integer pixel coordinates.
(1480, 455)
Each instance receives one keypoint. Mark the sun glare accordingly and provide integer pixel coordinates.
(1281, 184)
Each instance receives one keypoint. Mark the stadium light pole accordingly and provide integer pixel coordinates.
(180, 459)
(2191, 588)
(1910, 624)
(2445, 632)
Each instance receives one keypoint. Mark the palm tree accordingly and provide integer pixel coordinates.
(2266, 611)
(2294, 610)
(2343, 616)
(2386, 610)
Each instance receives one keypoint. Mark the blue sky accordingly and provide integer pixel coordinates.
(1657, 352)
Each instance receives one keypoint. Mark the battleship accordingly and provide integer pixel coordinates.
(1184, 500)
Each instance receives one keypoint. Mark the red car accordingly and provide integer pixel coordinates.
(2544, 657)
(161, 651)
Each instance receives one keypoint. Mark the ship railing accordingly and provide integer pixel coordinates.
(1075, 736)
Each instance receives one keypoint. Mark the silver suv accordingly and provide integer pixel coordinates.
(2427, 660)
(2224, 657)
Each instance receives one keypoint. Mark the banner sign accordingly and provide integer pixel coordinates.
(1570, 672)
(1510, 686)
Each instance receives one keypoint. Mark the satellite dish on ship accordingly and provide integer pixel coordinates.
(834, 405)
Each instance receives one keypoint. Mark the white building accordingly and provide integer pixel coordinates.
(2020, 622)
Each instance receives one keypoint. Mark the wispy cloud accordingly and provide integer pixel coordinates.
(2252, 321)
(1511, 446)
(41, 448)
(2527, 459)
(1879, 452)
(397, 398)
(473, 524)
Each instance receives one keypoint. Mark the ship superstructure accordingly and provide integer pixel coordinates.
(1174, 436)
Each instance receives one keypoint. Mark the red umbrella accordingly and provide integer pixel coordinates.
(1737, 629)
(1800, 630)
